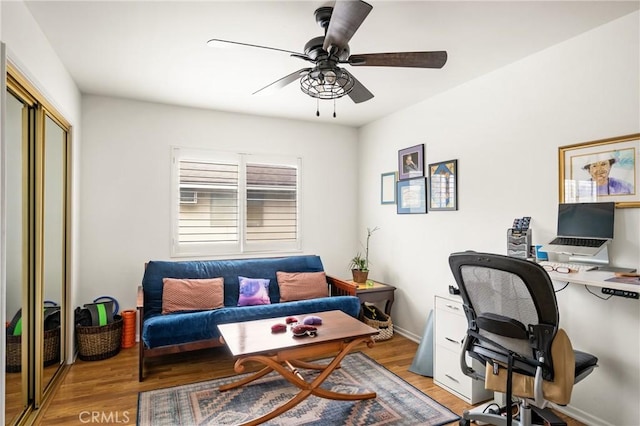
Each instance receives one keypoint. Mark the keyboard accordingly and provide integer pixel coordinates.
(573, 267)
(578, 242)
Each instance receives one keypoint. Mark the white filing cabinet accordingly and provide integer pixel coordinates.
(450, 328)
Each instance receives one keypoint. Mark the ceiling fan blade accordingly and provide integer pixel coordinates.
(400, 59)
(216, 42)
(279, 84)
(359, 93)
(346, 18)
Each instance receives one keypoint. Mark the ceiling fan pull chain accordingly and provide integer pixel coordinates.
(317, 107)
(334, 107)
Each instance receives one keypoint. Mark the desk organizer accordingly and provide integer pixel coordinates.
(518, 242)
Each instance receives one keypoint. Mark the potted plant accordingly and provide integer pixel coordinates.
(359, 265)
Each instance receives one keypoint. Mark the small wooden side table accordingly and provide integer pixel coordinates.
(375, 291)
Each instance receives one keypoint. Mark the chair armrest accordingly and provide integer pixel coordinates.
(140, 300)
(341, 287)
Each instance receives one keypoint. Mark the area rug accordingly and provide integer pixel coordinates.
(397, 403)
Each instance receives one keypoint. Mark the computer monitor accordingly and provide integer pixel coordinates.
(586, 220)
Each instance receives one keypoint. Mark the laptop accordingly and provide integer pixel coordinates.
(583, 229)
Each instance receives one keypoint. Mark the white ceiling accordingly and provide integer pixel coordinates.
(156, 50)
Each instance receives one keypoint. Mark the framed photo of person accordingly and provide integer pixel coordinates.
(601, 170)
(443, 185)
(411, 162)
(412, 196)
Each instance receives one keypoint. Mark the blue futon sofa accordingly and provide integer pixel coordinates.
(162, 334)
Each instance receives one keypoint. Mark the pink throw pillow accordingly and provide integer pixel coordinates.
(192, 294)
(302, 285)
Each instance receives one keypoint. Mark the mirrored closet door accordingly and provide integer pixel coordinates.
(51, 270)
(37, 250)
(17, 258)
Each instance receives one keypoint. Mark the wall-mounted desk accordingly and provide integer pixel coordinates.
(608, 328)
(594, 279)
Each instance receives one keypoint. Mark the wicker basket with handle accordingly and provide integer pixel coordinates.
(99, 342)
(374, 317)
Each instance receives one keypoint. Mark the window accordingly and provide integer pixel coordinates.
(188, 196)
(228, 203)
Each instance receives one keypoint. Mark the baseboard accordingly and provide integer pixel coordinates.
(407, 334)
(581, 416)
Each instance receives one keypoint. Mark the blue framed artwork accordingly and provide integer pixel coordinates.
(412, 196)
(443, 185)
(388, 188)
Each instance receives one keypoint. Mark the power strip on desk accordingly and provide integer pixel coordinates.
(621, 293)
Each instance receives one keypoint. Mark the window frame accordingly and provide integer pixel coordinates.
(242, 246)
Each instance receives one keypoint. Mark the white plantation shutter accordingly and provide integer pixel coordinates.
(234, 203)
(272, 210)
(213, 215)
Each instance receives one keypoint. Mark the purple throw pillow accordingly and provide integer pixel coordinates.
(253, 291)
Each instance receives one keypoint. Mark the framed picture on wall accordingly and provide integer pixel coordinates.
(411, 162)
(600, 171)
(388, 188)
(412, 196)
(443, 185)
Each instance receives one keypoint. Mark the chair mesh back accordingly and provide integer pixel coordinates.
(511, 302)
(504, 293)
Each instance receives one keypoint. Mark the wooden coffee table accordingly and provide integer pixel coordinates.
(284, 353)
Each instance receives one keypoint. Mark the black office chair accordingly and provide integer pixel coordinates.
(512, 315)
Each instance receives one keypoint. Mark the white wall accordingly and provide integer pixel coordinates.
(125, 198)
(505, 129)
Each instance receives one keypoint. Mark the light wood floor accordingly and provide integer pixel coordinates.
(109, 388)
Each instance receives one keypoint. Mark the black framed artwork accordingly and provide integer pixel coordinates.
(411, 162)
(443, 185)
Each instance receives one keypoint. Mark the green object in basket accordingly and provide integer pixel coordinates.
(102, 314)
(17, 330)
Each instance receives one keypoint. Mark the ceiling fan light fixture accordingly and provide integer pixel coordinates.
(327, 84)
(330, 77)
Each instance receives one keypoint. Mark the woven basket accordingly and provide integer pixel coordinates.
(14, 354)
(99, 342)
(51, 350)
(374, 317)
(51, 347)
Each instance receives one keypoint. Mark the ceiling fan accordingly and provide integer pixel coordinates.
(326, 79)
